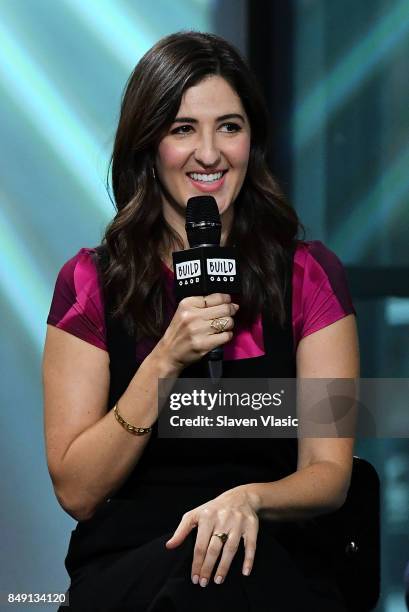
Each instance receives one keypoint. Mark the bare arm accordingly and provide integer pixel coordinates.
(319, 484)
(89, 453)
(323, 474)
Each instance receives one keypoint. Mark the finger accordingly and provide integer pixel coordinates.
(204, 532)
(212, 340)
(206, 547)
(250, 544)
(222, 310)
(215, 299)
(197, 301)
(228, 326)
(184, 528)
(228, 552)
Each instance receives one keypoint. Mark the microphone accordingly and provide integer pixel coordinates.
(206, 267)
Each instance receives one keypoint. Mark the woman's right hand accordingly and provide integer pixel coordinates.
(190, 334)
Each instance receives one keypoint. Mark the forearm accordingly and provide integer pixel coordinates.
(311, 491)
(100, 459)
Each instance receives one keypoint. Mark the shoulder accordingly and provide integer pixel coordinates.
(320, 287)
(80, 268)
(310, 251)
(319, 264)
(77, 303)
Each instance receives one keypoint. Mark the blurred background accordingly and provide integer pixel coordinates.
(335, 75)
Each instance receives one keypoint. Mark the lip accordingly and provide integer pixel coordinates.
(205, 187)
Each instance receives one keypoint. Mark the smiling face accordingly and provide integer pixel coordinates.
(206, 150)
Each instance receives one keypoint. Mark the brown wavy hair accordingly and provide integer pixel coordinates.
(265, 226)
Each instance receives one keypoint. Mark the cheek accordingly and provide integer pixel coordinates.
(240, 153)
(169, 156)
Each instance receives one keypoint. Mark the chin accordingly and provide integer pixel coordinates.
(226, 205)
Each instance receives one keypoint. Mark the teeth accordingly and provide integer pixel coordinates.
(206, 178)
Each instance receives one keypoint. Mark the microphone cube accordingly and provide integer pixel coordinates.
(204, 270)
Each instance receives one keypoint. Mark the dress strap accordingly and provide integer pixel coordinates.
(120, 344)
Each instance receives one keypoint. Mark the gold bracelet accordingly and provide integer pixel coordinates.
(137, 431)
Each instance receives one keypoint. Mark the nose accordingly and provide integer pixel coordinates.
(207, 152)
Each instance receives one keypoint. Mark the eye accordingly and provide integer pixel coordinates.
(235, 126)
(181, 129)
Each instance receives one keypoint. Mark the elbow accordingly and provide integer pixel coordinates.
(343, 494)
(342, 481)
(79, 512)
(337, 503)
(328, 507)
(73, 504)
(76, 502)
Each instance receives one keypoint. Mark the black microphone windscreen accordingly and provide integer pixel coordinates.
(203, 225)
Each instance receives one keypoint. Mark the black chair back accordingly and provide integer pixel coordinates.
(354, 539)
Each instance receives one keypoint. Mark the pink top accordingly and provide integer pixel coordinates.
(320, 297)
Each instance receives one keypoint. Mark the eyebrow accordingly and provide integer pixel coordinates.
(222, 118)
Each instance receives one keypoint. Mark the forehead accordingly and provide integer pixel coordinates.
(213, 95)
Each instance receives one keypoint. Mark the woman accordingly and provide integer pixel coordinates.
(160, 521)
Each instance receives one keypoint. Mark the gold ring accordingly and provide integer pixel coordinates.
(219, 324)
(222, 536)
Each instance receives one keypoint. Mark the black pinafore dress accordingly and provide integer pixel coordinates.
(117, 560)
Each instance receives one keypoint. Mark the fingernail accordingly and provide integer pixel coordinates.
(203, 582)
(246, 571)
(195, 579)
(236, 306)
(219, 579)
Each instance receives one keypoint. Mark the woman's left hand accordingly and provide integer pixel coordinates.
(233, 513)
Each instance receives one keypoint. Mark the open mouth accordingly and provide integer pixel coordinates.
(206, 178)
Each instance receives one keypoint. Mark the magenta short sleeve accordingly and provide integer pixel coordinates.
(77, 304)
(320, 289)
(320, 297)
